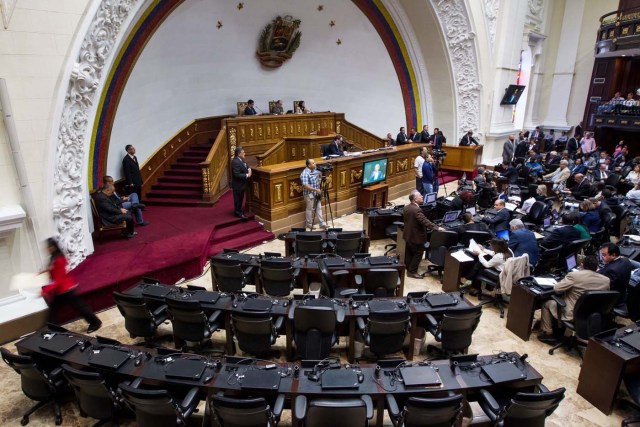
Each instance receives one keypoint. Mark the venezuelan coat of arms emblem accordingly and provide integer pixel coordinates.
(278, 41)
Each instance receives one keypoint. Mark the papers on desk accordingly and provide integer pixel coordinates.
(510, 206)
(538, 235)
(633, 238)
(473, 246)
(545, 281)
(461, 256)
(353, 153)
(449, 198)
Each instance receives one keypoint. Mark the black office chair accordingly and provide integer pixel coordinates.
(391, 232)
(612, 181)
(278, 277)
(246, 412)
(191, 324)
(480, 237)
(491, 279)
(255, 332)
(308, 243)
(42, 385)
(548, 261)
(437, 247)
(157, 407)
(139, 319)
(608, 223)
(593, 313)
(622, 215)
(523, 175)
(94, 396)
(384, 331)
(332, 281)
(348, 244)
(632, 384)
(426, 411)
(230, 276)
(351, 412)
(315, 329)
(455, 330)
(631, 310)
(324, 148)
(537, 214)
(575, 247)
(597, 239)
(523, 409)
(381, 282)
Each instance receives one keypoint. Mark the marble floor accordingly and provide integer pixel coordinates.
(491, 337)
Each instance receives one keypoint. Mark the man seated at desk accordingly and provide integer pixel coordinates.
(249, 110)
(572, 287)
(582, 187)
(560, 175)
(470, 224)
(617, 268)
(499, 221)
(523, 241)
(563, 234)
(335, 148)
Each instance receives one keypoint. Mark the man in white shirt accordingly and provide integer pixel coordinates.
(417, 166)
(634, 194)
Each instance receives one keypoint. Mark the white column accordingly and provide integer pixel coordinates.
(565, 66)
(535, 43)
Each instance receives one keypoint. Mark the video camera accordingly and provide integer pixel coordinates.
(324, 168)
(438, 153)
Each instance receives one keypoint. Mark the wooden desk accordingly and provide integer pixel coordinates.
(453, 271)
(522, 306)
(375, 196)
(602, 369)
(465, 159)
(375, 224)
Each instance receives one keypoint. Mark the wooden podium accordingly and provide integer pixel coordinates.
(374, 196)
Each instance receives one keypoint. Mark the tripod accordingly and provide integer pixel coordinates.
(324, 196)
(439, 175)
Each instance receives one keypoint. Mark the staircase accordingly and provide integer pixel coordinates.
(181, 184)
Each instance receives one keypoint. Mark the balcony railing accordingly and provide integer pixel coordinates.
(622, 115)
(618, 30)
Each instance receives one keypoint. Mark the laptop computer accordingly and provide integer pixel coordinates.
(257, 304)
(430, 198)
(58, 343)
(157, 291)
(503, 372)
(186, 369)
(471, 210)
(504, 234)
(547, 222)
(572, 263)
(109, 358)
(450, 216)
(333, 379)
(632, 340)
(261, 379)
(440, 300)
(420, 376)
(380, 260)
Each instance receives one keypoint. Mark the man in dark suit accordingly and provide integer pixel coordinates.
(521, 149)
(414, 136)
(240, 174)
(131, 170)
(509, 172)
(415, 233)
(500, 221)
(523, 241)
(601, 174)
(616, 268)
(249, 110)
(109, 211)
(581, 189)
(335, 148)
(424, 135)
(509, 149)
(401, 138)
(562, 235)
(468, 140)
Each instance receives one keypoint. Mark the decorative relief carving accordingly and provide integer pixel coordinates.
(534, 16)
(401, 165)
(356, 175)
(294, 188)
(269, 132)
(232, 141)
(454, 18)
(243, 136)
(164, 153)
(293, 152)
(195, 127)
(74, 130)
(250, 132)
(291, 129)
(491, 13)
(343, 178)
(337, 126)
(278, 188)
(304, 152)
(206, 182)
(260, 132)
(256, 190)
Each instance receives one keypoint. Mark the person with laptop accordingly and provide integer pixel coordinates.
(415, 233)
(617, 268)
(574, 284)
(500, 221)
(561, 235)
(523, 241)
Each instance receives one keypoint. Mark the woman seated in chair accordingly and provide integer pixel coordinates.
(494, 258)
(540, 196)
(589, 216)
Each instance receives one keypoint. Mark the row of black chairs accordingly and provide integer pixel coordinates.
(347, 244)
(98, 397)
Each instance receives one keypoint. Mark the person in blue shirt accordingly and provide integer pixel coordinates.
(428, 175)
(590, 217)
(523, 241)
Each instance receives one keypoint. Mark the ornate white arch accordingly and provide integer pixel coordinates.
(453, 17)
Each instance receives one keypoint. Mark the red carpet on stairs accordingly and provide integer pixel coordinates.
(176, 244)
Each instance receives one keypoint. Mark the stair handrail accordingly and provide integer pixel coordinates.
(215, 168)
(264, 159)
(362, 139)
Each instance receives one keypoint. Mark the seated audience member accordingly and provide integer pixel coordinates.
(553, 158)
(579, 167)
(302, 109)
(562, 235)
(470, 224)
(110, 212)
(634, 193)
(633, 177)
(601, 174)
(540, 196)
(494, 258)
(277, 109)
(581, 188)
(574, 284)
(401, 138)
(249, 110)
(610, 198)
(590, 162)
(602, 157)
(480, 178)
(523, 241)
(130, 202)
(575, 220)
(510, 172)
(335, 148)
(462, 200)
(618, 150)
(390, 142)
(562, 140)
(534, 163)
(500, 221)
(560, 175)
(617, 268)
(590, 217)
(468, 140)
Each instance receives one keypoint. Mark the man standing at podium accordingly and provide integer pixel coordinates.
(415, 234)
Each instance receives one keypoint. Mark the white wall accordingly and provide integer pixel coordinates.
(190, 69)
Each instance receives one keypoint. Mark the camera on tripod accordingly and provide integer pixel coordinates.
(438, 154)
(324, 168)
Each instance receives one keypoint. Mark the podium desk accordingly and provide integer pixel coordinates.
(522, 305)
(375, 224)
(453, 271)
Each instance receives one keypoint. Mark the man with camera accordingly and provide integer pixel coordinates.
(312, 192)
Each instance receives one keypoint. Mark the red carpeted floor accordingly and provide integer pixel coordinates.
(176, 244)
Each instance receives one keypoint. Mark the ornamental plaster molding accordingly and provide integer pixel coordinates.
(491, 14)
(534, 14)
(74, 131)
(6, 7)
(456, 27)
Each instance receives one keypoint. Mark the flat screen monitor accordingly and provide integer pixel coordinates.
(471, 210)
(430, 198)
(547, 221)
(504, 234)
(450, 216)
(374, 171)
(571, 262)
(512, 95)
